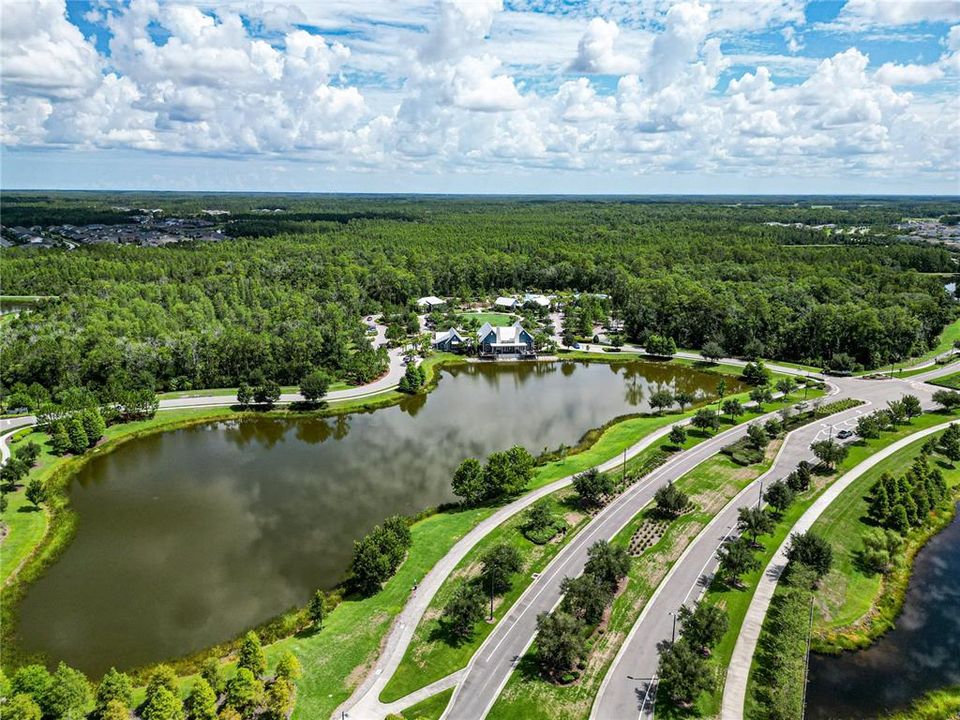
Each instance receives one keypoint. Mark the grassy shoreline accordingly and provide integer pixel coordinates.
(62, 522)
(751, 707)
(738, 601)
(863, 607)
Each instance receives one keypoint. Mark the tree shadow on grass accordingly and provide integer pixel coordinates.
(28, 509)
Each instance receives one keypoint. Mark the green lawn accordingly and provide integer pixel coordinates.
(430, 709)
(951, 381)
(736, 602)
(496, 319)
(710, 485)
(848, 594)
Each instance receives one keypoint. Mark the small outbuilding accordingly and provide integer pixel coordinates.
(449, 341)
(430, 302)
(506, 303)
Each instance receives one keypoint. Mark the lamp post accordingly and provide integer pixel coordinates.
(673, 634)
(491, 594)
(760, 498)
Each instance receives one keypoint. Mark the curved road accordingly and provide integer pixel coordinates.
(490, 667)
(364, 703)
(738, 672)
(628, 689)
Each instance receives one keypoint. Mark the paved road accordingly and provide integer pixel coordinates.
(738, 672)
(365, 703)
(629, 681)
(491, 666)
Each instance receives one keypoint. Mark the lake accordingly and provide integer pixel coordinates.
(921, 654)
(188, 537)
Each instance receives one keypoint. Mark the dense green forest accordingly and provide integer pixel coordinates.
(288, 291)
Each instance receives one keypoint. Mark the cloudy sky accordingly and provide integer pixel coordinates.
(535, 96)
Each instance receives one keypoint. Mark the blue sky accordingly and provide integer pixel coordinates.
(610, 96)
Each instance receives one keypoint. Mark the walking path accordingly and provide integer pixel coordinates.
(632, 673)
(738, 672)
(365, 703)
(490, 667)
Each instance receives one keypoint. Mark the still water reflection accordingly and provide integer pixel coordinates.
(921, 654)
(187, 537)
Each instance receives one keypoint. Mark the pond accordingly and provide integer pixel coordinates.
(921, 654)
(188, 537)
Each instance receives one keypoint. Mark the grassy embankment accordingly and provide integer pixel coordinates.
(710, 485)
(736, 602)
(855, 607)
(837, 524)
(937, 705)
(346, 650)
(430, 657)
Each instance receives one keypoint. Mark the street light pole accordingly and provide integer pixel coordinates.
(760, 498)
(673, 634)
(491, 594)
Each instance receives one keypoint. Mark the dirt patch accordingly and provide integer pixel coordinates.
(360, 672)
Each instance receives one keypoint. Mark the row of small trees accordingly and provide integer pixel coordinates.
(34, 693)
(903, 503)
(562, 634)
(15, 469)
(505, 473)
(683, 671)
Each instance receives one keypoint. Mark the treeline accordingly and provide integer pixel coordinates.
(215, 314)
(249, 693)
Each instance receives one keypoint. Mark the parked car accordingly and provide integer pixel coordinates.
(576, 346)
(844, 434)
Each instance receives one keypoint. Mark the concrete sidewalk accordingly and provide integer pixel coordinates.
(738, 672)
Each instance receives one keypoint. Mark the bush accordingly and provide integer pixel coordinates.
(743, 452)
(540, 525)
(592, 485)
(660, 345)
(671, 501)
(811, 550)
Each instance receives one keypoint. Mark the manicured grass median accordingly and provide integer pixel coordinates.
(430, 709)
(736, 602)
(710, 485)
